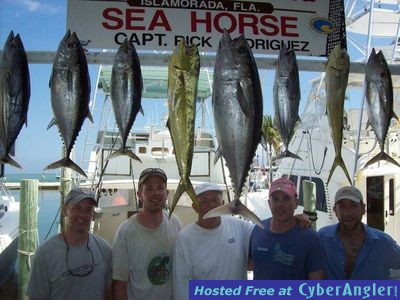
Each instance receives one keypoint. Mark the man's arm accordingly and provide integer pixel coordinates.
(119, 289)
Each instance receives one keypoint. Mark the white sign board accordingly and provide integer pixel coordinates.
(303, 25)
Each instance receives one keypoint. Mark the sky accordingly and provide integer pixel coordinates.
(41, 25)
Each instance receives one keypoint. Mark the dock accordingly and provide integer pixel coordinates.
(42, 185)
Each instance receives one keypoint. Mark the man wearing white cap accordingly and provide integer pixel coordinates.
(142, 247)
(210, 249)
(73, 264)
(354, 250)
(283, 250)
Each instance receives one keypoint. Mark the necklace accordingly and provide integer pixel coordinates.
(74, 272)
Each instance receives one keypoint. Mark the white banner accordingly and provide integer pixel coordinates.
(160, 24)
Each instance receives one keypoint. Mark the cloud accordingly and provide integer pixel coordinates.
(37, 6)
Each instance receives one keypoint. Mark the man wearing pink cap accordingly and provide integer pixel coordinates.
(283, 250)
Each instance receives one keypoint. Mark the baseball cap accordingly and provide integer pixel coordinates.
(284, 185)
(76, 195)
(350, 193)
(146, 173)
(207, 186)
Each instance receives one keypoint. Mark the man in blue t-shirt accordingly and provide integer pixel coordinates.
(354, 250)
(283, 250)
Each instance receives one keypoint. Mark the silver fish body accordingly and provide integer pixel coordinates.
(14, 94)
(379, 101)
(183, 75)
(70, 95)
(238, 111)
(126, 93)
(286, 97)
(336, 78)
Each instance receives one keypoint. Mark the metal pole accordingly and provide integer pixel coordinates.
(65, 187)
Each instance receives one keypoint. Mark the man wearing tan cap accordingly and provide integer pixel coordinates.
(73, 264)
(283, 250)
(210, 249)
(354, 250)
(142, 247)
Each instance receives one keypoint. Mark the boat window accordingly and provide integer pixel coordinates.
(375, 202)
(112, 197)
(159, 151)
(142, 150)
(391, 197)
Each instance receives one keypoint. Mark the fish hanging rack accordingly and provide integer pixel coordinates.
(207, 61)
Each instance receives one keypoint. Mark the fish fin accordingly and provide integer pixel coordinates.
(298, 119)
(123, 151)
(89, 116)
(287, 153)
(8, 160)
(367, 125)
(338, 162)
(67, 163)
(395, 116)
(242, 98)
(141, 110)
(381, 156)
(234, 208)
(218, 154)
(52, 123)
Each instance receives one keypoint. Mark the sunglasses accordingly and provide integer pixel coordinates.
(78, 273)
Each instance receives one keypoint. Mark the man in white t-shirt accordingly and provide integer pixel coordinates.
(210, 249)
(142, 248)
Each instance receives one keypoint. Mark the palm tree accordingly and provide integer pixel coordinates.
(270, 139)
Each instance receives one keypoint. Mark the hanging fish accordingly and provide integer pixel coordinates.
(126, 93)
(379, 96)
(286, 95)
(336, 78)
(14, 95)
(183, 76)
(238, 111)
(70, 95)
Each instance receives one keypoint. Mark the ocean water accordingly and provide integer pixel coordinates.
(48, 203)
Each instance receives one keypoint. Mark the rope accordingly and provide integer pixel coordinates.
(52, 224)
(29, 254)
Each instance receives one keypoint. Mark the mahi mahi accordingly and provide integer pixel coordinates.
(379, 95)
(70, 95)
(14, 94)
(286, 94)
(183, 75)
(336, 78)
(238, 111)
(126, 93)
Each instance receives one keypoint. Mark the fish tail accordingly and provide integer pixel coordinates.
(8, 160)
(381, 156)
(184, 186)
(124, 151)
(178, 193)
(234, 208)
(287, 153)
(68, 163)
(338, 162)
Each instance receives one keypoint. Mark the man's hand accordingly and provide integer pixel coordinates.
(303, 221)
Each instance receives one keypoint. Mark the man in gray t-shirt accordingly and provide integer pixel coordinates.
(73, 264)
